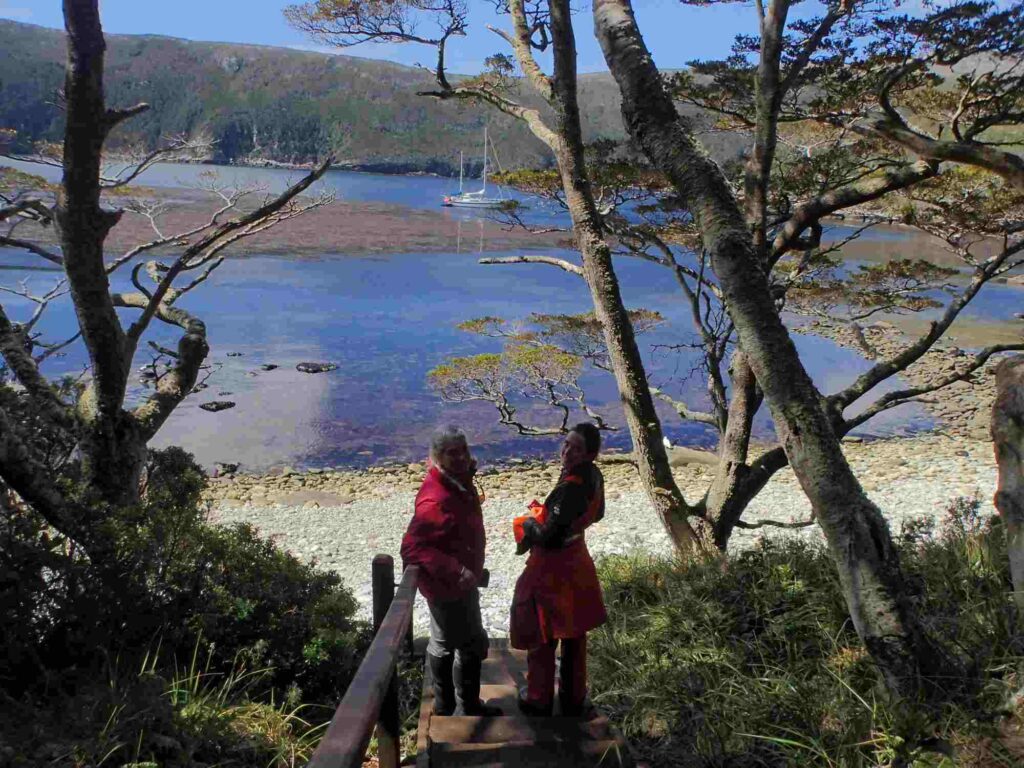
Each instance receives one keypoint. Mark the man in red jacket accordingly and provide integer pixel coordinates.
(446, 540)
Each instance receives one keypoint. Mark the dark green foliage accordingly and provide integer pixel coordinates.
(752, 661)
(262, 103)
(75, 635)
(176, 589)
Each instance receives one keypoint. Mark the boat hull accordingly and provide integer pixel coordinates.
(485, 202)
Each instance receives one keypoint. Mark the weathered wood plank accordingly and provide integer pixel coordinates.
(578, 754)
(514, 739)
(494, 730)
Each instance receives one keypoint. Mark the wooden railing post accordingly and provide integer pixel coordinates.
(409, 646)
(388, 724)
(371, 699)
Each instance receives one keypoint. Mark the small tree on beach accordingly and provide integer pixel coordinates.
(540, 364)
(104, 441)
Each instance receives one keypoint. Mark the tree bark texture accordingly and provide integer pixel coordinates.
(767, 99)
(641, 417)
(1008, 439)
(112, 454)
(857, 534)
(725, 502)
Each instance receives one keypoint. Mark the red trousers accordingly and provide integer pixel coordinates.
(572, 683)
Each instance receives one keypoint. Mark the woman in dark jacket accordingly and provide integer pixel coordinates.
(558, 596)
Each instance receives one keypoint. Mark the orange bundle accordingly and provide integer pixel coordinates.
(537, 512)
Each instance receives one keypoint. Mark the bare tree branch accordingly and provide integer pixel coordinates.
(562, 264)
(1006, 164)
(38, 250)
(212, 239)
(26, 371)
(886, 368)
(775, 524)
(684, 411)
(812, 211)
(899, 397)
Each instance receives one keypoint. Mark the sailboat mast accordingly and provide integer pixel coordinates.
(460, 171)
(485, 157)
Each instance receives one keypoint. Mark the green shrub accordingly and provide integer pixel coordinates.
(174, 587)
(179, 580)
(753, 661)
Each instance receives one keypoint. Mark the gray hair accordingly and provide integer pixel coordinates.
(445, 437)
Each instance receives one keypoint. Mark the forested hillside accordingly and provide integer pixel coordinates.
(275, 104)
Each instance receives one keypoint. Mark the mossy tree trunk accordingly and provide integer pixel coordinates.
(1008, 439)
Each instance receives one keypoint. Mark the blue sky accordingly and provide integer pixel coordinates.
(676, 34)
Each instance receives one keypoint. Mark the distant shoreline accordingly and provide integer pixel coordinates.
(341, 228)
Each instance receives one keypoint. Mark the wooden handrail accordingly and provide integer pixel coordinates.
(348, 736)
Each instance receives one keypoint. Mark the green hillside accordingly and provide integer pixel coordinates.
(262, 103)
(275, 104)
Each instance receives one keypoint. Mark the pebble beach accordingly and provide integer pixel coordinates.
(342, 519)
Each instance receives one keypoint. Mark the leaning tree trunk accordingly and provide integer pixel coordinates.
(857, 533)
(112, 453)
(1008, 437)
(641, 417)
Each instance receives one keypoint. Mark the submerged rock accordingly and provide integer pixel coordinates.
(217, 405)
(268, 367)
(222, 468)
(236, 354)
(316, 367)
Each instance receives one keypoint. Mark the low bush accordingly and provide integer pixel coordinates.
(175, 589)
(752, 661)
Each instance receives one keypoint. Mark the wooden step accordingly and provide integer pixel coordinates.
(517, 728)
(504, 696)
(503, 667)
(584, 754)
(513, 739)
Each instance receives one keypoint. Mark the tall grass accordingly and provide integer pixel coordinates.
(189, 716)
(752, 661)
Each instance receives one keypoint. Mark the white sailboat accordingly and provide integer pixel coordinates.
(479, 198)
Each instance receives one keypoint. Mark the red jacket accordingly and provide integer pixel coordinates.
(446, 534)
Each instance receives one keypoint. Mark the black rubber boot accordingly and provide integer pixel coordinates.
(467, 688)
(532, 710)
(444, 684)
(570, 701)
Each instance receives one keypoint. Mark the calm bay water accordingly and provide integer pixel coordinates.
(386, 321)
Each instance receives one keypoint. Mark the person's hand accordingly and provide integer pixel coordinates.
(467, 579)
(531, 529)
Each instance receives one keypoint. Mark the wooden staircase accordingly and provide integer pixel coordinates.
(513, 739)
